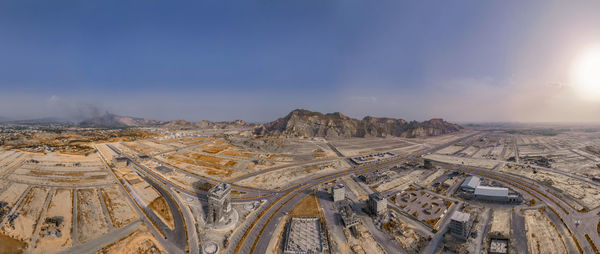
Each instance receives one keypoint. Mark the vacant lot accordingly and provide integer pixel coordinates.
(121, 213)
(29, 212)
(542, 235)
(61, 205)
(308, 207)
(91, 220)
(160, 207)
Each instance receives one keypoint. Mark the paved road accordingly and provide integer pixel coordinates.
(170, 247)
(519, 238)
(178, 235)
(253, 241)
(437, 238)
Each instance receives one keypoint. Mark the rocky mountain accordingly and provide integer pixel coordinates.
(314, 124)
(205, 124)
(112, 120)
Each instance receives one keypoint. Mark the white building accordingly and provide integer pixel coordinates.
(470, 184)
(339, 192)
(460, 225)
(497, 194)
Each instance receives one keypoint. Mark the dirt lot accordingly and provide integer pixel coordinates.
(62, 170)
(307, 207)
(140, 241)
(282, 177)
(61, 205)
(542, 235)
(161, 208)
(29, 212)
(121, 213)
(501, 222)
(484, 163)
(587, 194)
(10, 245)
(401, 182)
(91, 220)
(12, 193)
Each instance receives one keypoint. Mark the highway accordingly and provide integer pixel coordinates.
(178, 236)
(253, 240)
(254, 237)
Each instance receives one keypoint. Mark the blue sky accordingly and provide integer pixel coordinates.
(257, 60)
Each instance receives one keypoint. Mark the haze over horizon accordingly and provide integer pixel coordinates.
(535, 61)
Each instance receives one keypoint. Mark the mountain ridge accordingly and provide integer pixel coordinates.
(301, 122)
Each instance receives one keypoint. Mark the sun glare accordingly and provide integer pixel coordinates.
(586, 74)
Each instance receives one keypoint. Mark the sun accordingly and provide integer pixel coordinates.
(586, 74)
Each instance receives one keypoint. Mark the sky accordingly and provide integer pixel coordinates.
(464, 61)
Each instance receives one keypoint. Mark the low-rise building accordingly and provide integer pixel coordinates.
(338, 192)
(460, 225)
(349, 218)
(377, 203)
(470, 183)
(495, 194)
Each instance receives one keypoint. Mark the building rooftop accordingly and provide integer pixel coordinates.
(376, 196)
(460, 216)
(471, 182)
(491, 191)
(220, 189)
(304, 236)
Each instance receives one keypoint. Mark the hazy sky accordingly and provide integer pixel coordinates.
(257, 60)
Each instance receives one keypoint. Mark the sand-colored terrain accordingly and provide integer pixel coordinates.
(91, 220)
(12, 193)
(61, 205)
(120, 211)
(160, 207)
(282, 177)
(483, 163)
(542, 235)
(138, 242)
(29, 212)
(587, 194)
(402, 182)
(307, 207)
(501, 222)
(62, 170)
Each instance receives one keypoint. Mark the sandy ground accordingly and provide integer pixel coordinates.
(121, 213)
(402, 182)
(91, 220)
(12, 193)
(355, 188)
(429, 180)
(360, 146)
(587, 194)
(140, 241)
(62, 170)
(501, 222)
(365, 243)
(160, 207)
(29, 212)
(451, 149)
(307, 207)
(282, 177)
(542, 235)
(61, 204)
(483, 163)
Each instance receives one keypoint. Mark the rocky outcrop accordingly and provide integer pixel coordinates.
(205, 124)
(112, 120)
(306, 123)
